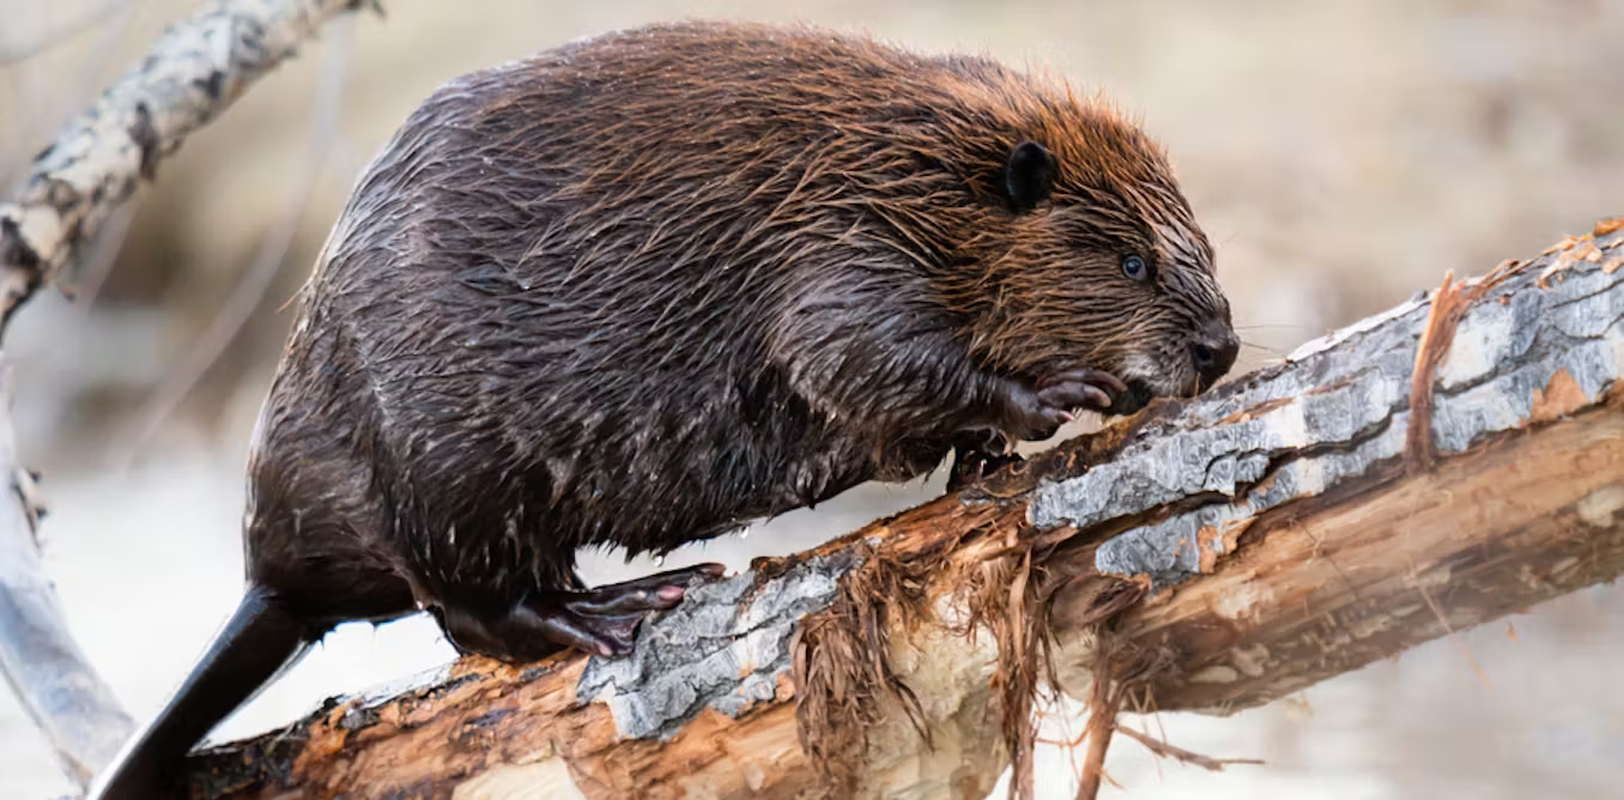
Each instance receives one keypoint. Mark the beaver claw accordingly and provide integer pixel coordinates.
(602, 621)
(1036, 413)
(1080, 388)
(975, 455)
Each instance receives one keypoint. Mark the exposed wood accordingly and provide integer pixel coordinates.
(1209, 555)
(189, 76)
(1319, 592)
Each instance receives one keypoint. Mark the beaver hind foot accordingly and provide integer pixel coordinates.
(603, 620)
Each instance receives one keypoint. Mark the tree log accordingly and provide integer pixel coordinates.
(1453, 460)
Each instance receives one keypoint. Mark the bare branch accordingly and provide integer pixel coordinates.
(192, 74)
(1165, 750)
(50, 676)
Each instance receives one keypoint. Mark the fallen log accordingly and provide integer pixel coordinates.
(1453, 460)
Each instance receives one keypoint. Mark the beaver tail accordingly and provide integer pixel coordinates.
(261, 638)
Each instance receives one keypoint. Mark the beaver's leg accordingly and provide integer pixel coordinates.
(601, 620)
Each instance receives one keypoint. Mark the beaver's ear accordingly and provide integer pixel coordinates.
(1029, 175)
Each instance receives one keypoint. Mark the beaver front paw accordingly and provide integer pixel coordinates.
(1035, 413)
(977, 454)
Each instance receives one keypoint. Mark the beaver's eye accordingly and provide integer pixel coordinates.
(1134, 268)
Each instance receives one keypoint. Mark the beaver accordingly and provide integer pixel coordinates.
(647, 287)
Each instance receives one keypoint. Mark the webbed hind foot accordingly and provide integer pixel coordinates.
(602, 621)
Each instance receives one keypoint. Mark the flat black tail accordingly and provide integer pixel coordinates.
(261, 638)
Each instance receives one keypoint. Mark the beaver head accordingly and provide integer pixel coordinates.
(1085, 253)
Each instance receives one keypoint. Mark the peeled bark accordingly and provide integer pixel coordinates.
(1453, 460)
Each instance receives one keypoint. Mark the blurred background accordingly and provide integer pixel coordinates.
(1341, 156)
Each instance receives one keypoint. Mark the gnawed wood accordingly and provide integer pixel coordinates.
(1230, 550)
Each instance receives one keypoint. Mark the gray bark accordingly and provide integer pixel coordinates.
(39, 658)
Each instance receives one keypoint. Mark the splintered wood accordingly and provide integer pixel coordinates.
(1449, 304)
(1440, 465)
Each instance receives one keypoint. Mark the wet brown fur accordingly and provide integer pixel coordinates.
(646, 287)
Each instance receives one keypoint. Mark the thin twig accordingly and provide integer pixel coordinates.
(99, 257)
(1265, 349)
(1165, 750)
(1104, 702)
(1069, 743)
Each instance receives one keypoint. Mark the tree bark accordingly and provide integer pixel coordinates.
(1453, 460)
(189, 77)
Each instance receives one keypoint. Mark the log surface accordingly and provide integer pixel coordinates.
(1278, 531)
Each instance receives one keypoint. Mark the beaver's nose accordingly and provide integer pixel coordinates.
(1213, 352)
